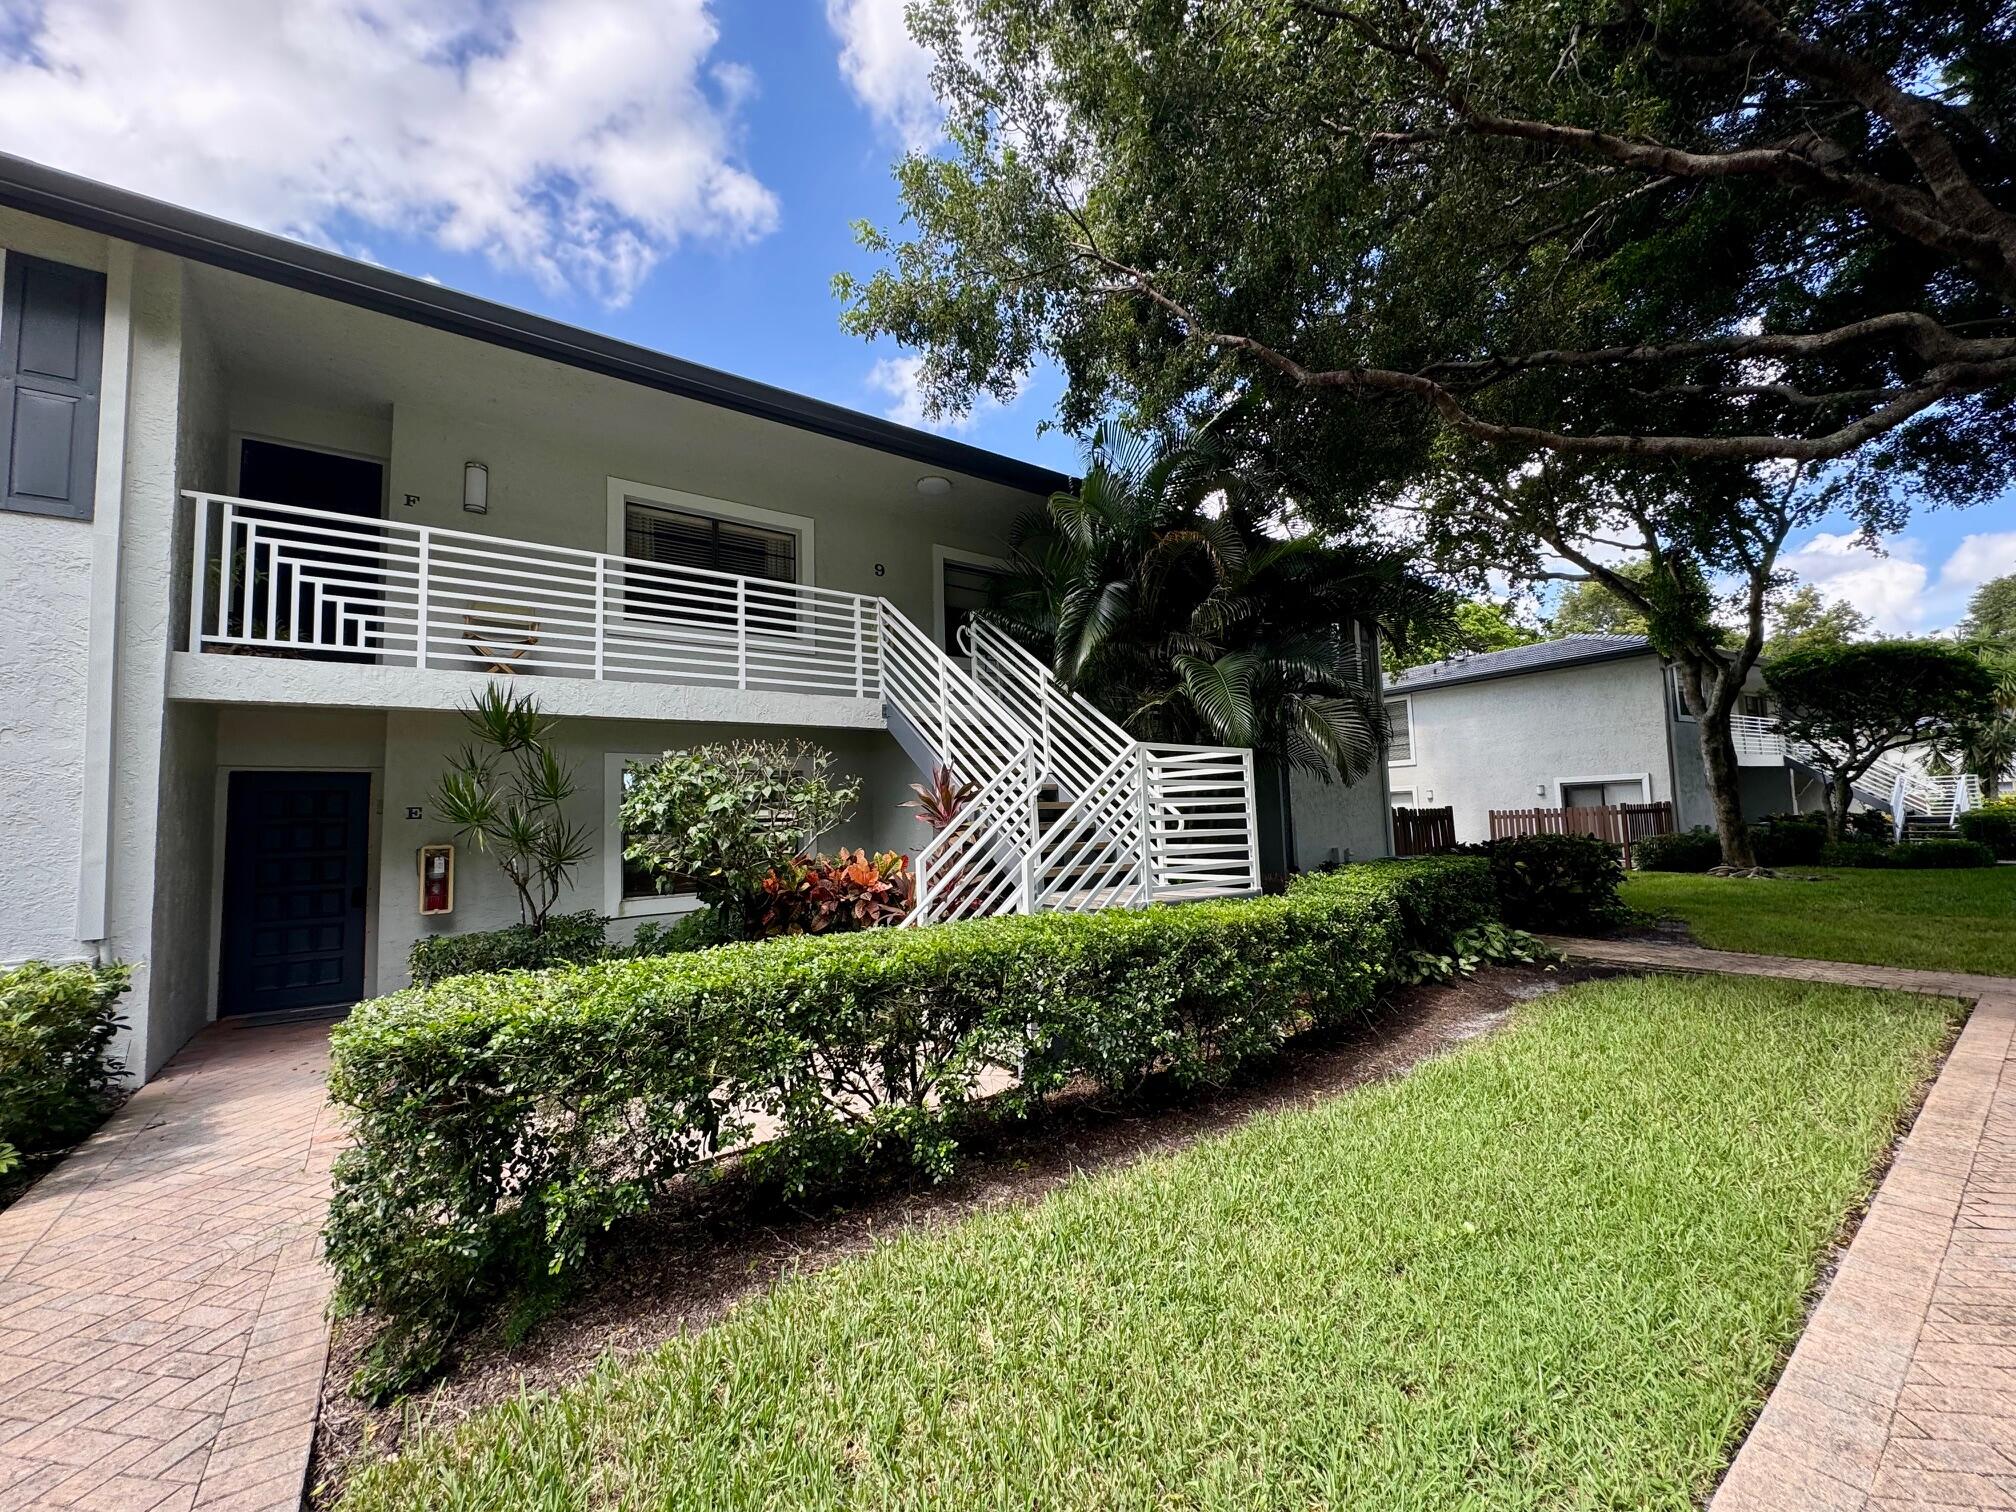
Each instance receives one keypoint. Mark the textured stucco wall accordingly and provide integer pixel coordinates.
(416, 749)
(1508, 742)
(45, 583)
(1348, 818)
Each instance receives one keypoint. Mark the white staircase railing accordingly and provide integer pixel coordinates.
(1143, 821)
(1897, 780)
(977, 865)
(1140, 821)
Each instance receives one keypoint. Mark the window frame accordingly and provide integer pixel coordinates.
(1413, 757)
(614, 903)
(1643, 779)
(1393, 798)
(623, 492)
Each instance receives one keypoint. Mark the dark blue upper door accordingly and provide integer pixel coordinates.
(294, 858)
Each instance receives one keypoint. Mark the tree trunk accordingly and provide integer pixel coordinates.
(1719, 765)
(1840, 793)
(1710, 692)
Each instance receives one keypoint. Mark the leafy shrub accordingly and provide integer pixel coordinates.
(1993, 825)
(1871, 824)
(726, 816)
(1693, 850)
(501, 1123)
(1789, 839)
(698, 930)
(1486, 944)
(1939, 855)
(567, 939)
(1566, 882)
(1919, 855)
(833, 894)
(56, 1080)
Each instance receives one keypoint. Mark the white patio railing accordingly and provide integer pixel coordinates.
(1141, 822)
(1897, 780)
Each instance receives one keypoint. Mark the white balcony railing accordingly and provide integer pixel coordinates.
(1142, 822)
(275, 579)
(1758, 742)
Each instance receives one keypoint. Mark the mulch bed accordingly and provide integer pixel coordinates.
(682, 1268)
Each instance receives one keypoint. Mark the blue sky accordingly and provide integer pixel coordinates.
(680, 173)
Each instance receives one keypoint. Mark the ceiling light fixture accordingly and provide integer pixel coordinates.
(932, 486)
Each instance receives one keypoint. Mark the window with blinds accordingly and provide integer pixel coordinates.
(680, 538)
(1400, 716)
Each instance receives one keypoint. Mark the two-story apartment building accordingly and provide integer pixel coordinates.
(1578, 722)
(272, 516)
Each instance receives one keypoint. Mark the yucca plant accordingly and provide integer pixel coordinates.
(505, 793)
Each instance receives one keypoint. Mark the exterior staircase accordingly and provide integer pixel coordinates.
(1069, 813)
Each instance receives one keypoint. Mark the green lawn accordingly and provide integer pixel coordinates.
(1937, 920)
(1555, 1269)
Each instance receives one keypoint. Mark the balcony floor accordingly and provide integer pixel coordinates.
(208, 677)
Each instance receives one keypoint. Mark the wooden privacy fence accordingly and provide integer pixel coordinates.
(1621, 824)
(1423, 832)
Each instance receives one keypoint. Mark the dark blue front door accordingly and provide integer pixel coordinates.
(294, 857)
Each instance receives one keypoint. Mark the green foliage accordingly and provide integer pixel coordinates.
(1556, 882)
(835, 894)
(1487, 944)
(727, 816)
(566, 940)
(698, 929)
(1802, 621)
(1918, 855)
(1556, 1269)
(1474, 626)
(506, 794)
(1992, 825)
(1587, 607)
(1197, 625)
(1789, 839)
(1693, 850)
(1991, 614)
(501, 1123)
(1851, 704)
(56, 1079)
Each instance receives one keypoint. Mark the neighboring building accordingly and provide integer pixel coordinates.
(271, 516)
(1571, 723)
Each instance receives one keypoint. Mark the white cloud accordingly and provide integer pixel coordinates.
(577, 140)
(888, 72)
(897, 378)
(1897, 590)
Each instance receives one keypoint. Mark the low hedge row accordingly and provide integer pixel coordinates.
(1918, 855)
(502, 1123)
(1993, 825)
(57, 1079)
(1565, 883)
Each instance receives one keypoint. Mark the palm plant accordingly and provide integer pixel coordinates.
(505, 793)
(1157, 590)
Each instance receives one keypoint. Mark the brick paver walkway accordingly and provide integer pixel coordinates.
(161, 1300)
(1902, 1390)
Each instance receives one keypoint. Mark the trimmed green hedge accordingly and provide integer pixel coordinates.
(1917, 855)
(1992, 825)
(502, 1123)
(1691, 850)
(56, 1079)
(1566, 883)
(567, 940)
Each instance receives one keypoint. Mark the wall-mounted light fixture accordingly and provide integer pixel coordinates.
(932, 486)
(475, 488)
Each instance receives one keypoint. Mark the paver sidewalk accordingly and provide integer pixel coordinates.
(1902, 1390)
(162, 1338)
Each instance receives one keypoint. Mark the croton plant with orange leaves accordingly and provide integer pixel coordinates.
(833, 894)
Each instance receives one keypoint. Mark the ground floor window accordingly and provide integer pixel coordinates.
(629, 889)
(1403, 798)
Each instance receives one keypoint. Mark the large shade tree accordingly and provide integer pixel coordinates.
(1850, 705)
(1553, 276)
